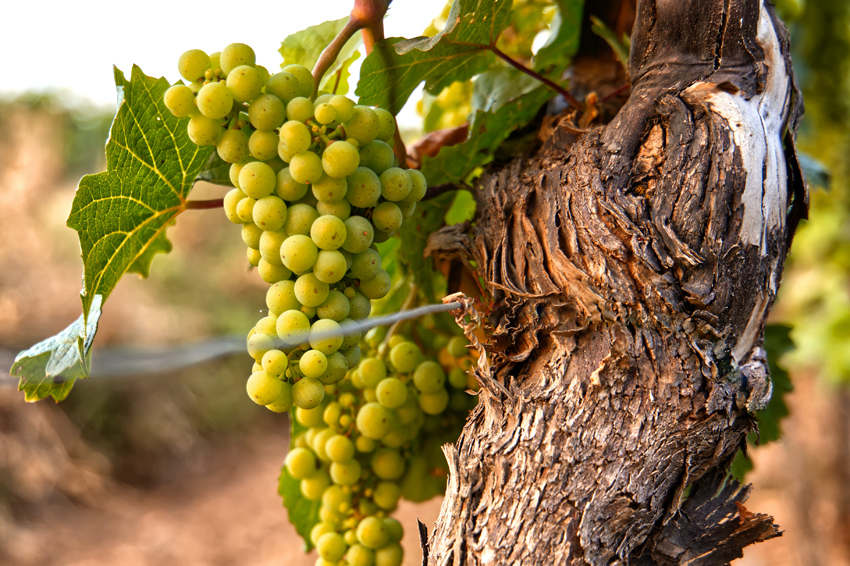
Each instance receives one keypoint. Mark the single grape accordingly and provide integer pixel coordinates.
(309, 291)
(377, 156)
(295, 136)
(363, 125)
(458, 378)
(386, 495)
(330, 266)
(364, 444)
(284, 86)
(300, 219)
(361, 307)
(233, 173)
(203, 130)
(313, 363)
(269, 213)
(254, 256)
(375, 421)
(364, 188)
(371, 533)
(418, 186)
(284, 401)
(381, 236)
(370, 395)
(387, 464)
(429, 377)
(251, 234)
(262, 388)
(359, 555)
(266, 112)
(308, 393)
(313, 487)
(389, 555)
(284, 154)
(359, 235)
(328, 232)
(192, 65)
(301, 463)
(330, 190)
(323, 98)
(386, 124)
(293, 327)
(288, 188)
(275, 363)
(332, 412)
(271, 273)
(319, 331)
(306, 167)
(349, 257)
(336, 306)
(407, 209)
(352, 355)
(231, 201)
(337, 368)
(346, 473)
(235, 55)
(352, 334)
(245, 213)
(263, 145)
(395, 184)
(405, 356)
(180, 101)
(377, 287)
(298, 253)
(340, 159)
(365, 265)
(340, 448)
(434, 403)
(215, 101)
(319, 530)
(331, 546)
(391, 392)
(304, 77)
(265, 325)
(387, 217)
(281, 297)
(300, 109)
(341, 209)
(394, 529)
(245, 83)
(257, 180)
(311, 418)
(343, 106)
(324, 112)
(232, 146)
(215, 61)
(457, 346)
(264, 74)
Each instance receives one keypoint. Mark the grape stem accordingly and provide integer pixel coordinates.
(571, 100)
(204, 204)
(437, 190)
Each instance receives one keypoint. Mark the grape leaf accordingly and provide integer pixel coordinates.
(216, 171)
(500, 86)
(413, 236)
(460, 51)
(303, 513)
(564, 39)
(337, 82)
(305, 47)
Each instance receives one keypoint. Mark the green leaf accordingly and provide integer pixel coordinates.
(815, 172)
(413, 236)
(460, 51)
(462, 208)
(305, 47)
(303, 513)
(337, 82)
(620, 46)
(216, 171)
(50, 368)
(500, 86)
(563, 42)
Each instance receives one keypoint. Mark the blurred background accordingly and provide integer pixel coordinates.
(179, 467)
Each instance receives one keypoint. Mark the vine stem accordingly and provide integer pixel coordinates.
(204, 204)
(573, 101)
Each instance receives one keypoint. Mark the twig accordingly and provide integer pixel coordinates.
(573, 101)
(437, 190)
(204, 204)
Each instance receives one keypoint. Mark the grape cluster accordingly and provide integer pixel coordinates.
(363, 451)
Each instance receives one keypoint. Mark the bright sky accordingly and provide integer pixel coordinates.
(71, 46)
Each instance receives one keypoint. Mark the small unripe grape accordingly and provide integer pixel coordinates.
(328, 345)
(330, 266)
(308, 393)
(311, 418)
(299, 253)
(429, 377)
(265, 325)
(288, 188)
(270, 242)
(359, 555)
(254, 256)
(304, 77)
(313, 487)
(395, 185)
(263, 145)
(301, 463)
(337, 368)
(232, 146)
(235, 55)
(365, 265)
(269, 213)
(381, 236)
(340, 159)
(434, 403)
(364, 444)
(377, 156)
(244, 83)
(300, 109)
(407, 209)
(300, 219)
(203, 130)
(336, 306)
(371, 533)
(313, 363)
(363, 125)
(281, 297)
(387, 217)
(458, 378)
(275, 363)
(386, 124)
(345, 473)
(245, 213)
(271, 273)
(180, 101)
(340, 448)
(215, 101)
(266, 112)
(364, 188)
(352, 355)
(341, 209)
(386, 495)
(306, 167)
(387, 464)
(361, 307)
(344, 107)
(331, 546)
(320, 529)
(324, 112)
(284, 401)
(418, 186)
(192, 65)
(394, 529)
(293, 327)
(330, 190)
(405, 356)
(377, 287)
(251, 235)
(391, 392)
(457, 346)
(309, 291)
(375, 421)
(389, 555)
(231, 201)
(257, 180)
(284, 86)
(262, 388)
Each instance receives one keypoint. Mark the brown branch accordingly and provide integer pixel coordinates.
(437, 190)
(204, 204)
(573, 101)
(331, 52)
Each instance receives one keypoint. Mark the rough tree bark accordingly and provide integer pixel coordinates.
(631, 269)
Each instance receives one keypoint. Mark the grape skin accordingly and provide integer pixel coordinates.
(193, 64)
(234, 55)
(215, 101)
(180, 101)
(245, 83)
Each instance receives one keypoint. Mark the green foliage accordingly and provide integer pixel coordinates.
(305, 47)
(619, 45)
(557, 52)
(336, 82)
(302, 513)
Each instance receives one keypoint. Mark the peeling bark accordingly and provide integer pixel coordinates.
(631, 272)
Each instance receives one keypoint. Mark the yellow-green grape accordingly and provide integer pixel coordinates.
(258, 345)
(434, 403)
(193, 64)
(275, 163)
(304, 78)
(377, 156)
(328, 232)
(324, 112)
(336, 306)
(284, 154)
(331, 546)
(300, 219)
(299, 253)
(215, 61)
(313, 363)
(395, 184)
(195, 87)
(309, 291)
(313, 488)
(257, 180)
(359, 555)
(371, 533)
(281, 298)
(329, 189)
(387, 217)
(391, 392)
(358, 235)
(394, 529)
(407, 209)
(405, 356)
(377, 287)
(245, 210)
(266, 112)
(386, 124)
(265, 325)
(429, 377)
(458, 378)
(270, 213)
(308, 393)
(341, 209)
(254, 256)
(387, 464)
(339, 448)
(370, 395)
(418, 186)
(295, 136)
(330, 266)
(323, 98)
(352, 335)
(245, 83)
(344, 107)
(366, 265)
(340, 159)
(233, 173)
(352, 355)
(275, 363)
(231, 201)
(288, 188)
(389, 555)
(306, 167)
(386, 495)
(375, 421)
(180, 101)
(364, 444)
(203, 130)
(270, 242)
(232, 146)
(457, 346)
(337, 368)
(320, 529)
(236, 55)
(301, 463)
(293, 327)
(284, 86)
(346, 473)
(310, 418)
(251, 234)
(215, 101)
(300, 109)
(332, 413)
(284, 401)
(262, 388)
(264, 74)
(349, 257)
(262, 145)
(381, 236)
(361, 307)
(364, 188)
(363, 125)
(271, 273)
(324, 344)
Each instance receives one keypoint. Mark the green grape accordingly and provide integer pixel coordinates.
(304, 78)
(284, 154)
(377, 287)
(398, 437)
(364, 444)
(306, 167)
(244, 83)
(264, 74)
(343, 106)
(331, 546)
(457, 346)
(434, 403)
(387, 464)
(319, 530)
(313, 363)
(359, 555)
(309, 291)
(366, 265)
(371, 533)
(293, 327)
(330, 190)
(288, 188)
(352, 355)
(301, 463)
(313, 487)
(266, 112)
(397, 339)
(337, 368)
(299, 253)
(394, 529)
(300, 109)
(215, 61)
(389, 555)
(271, 273)
(429, 377)
(324, 112)
(192, 65)
(263, 145)
(387, 217)
(346, 473)
(275, 363)
(328, 345)
(458, 378)
(251, 234)
(308, 393)
(284, 86)
(386, 495)
(328, 232)
(196, 87)
(269, 213)
(361, 307)
(336, 306)
(381, 236)
(340, 448)
(363, 125)
(323, 98)
(391, 392)
(310, 312)
(295, 136)
(375, 421)
(386, 124)
(263, 388)
(281, 298)
(232, 146)
(270, 242)
(275, 163)
(254, 256)
(354, 142)
(335, 497)
(407, 209)
(235, 55)
(405, 356)
(340, 159)
(352, 335)
(320, 440)
(180, 101)
(245, 211)
(350, 537)
(215, 101)
(359, 235)
(332, 412)
(349, 257)
(375, 337)
(311, 418)
(370, 395)
(418, 186)
(372, 371)
(233, 173)
(341, 209)
(257, 180)
(284, 401)
(265, 325)
(231, 201)
(300, 219)
(203, 130)
(395, 185)
(377, 156)
(330, 266)
(364, 188)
